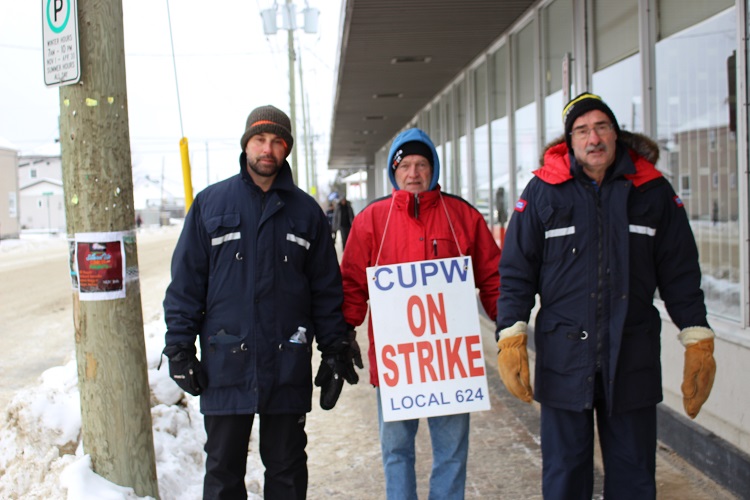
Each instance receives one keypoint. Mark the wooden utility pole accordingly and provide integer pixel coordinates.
(98, 183)
(292, 91)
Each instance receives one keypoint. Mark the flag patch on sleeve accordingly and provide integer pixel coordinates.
(678, 201)
(521, 205)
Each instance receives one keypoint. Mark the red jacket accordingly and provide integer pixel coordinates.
(415, 231)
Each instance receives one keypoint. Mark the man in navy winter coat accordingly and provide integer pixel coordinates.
(256, 278)
(595, 233)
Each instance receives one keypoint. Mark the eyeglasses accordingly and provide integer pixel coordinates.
(601, 130)
(420, 165)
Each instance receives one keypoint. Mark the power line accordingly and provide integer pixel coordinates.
(174, 64)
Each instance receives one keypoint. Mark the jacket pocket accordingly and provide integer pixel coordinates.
(638, 377)
(226, 240)
(640, 349)
(226, 360)
(559, 231)
(294, 259)
(442, 246)
(641, 235)
(564, 347)
(642, 220)
(294, 364)
(222, 228)
(298, 239)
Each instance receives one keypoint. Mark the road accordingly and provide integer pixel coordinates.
(36, 304)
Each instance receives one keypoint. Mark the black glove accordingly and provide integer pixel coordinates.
(329, 380)
(336, 366)
(355, 352)
(185, 369)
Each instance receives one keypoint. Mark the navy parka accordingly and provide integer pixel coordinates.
(596, 256)
(249, 268)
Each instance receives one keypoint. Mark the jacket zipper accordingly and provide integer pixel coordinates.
(600, 278)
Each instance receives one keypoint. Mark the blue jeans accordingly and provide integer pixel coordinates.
(450, 448)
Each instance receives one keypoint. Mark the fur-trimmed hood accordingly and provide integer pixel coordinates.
(643, 151)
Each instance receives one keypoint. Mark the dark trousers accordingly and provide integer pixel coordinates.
(282, 450)
(628, 444)
(344, 235)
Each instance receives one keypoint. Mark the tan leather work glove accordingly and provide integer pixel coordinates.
(513, 361)
(700, 367)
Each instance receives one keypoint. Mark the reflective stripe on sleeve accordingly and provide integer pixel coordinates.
(648, 231)
(300, 241)
(227, 237)
(556, 233)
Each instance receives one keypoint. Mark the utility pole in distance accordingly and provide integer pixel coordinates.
(98, 184)
(289, 23)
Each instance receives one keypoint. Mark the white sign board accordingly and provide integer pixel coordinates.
(62, 59)
(427, 339)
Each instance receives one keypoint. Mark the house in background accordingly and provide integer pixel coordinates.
(43, 206)
(42, 200)
(9, 225)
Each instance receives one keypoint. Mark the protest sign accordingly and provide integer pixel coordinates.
(427, 338)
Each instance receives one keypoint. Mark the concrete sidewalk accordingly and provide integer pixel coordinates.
(504, 454)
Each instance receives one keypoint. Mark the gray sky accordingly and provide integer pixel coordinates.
(225, 68)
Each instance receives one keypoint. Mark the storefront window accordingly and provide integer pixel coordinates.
(383, 184)
(620, 87)
(436, 133)
(500, 150)
(446, 175)
(696, 132)
(615, 31)
(464, 179)
(481, 148)
(434, 130)
(525, 120)
(558, 36)
(617, 62)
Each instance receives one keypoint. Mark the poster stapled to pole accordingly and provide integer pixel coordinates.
(100, 265)
(427, 339)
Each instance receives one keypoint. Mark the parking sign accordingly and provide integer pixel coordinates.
(62, 59)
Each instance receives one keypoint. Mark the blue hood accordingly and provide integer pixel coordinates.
(414, 134)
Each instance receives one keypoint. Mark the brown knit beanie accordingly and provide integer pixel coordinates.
(268, 119)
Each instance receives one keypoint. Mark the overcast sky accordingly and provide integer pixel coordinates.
(226, 67)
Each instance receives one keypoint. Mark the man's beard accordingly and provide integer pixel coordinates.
(264, 169)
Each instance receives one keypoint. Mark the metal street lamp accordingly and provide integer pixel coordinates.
(289, 23)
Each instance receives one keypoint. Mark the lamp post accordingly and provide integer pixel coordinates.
(289, 23)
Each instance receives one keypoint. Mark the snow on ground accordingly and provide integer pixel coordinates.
(31, 241)
(41, 454)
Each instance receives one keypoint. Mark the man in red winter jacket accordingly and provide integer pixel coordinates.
(418, 222)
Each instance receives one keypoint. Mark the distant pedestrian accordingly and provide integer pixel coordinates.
(715, 213)
(329, 214)
(256, 278)
(138, 221)
(342, 219)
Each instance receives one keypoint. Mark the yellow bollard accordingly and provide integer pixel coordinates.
(186, 179)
